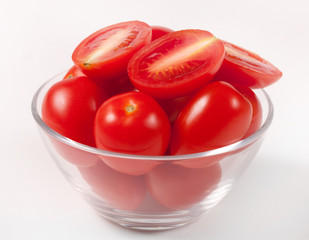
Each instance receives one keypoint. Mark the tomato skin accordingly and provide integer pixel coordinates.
(246, 68)
(159, 31)
(257, 112)
(117, 189)
(176, 64)
(105, 62)
(69, 108)
(73, 155)
(132, 123)
(74, 71)
(215, 116)
(178, 188)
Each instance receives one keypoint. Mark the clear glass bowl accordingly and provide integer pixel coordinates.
(166, 191)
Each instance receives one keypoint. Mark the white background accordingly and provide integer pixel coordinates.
(271, 200)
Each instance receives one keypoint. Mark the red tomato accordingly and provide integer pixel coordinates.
(75, 156)
(104, 55)
(117, 189)
(215, 116)
(254, 126)
(257, 112)
(243, 67)
(69, 108)
(132, 123)
(178, 188)
(158, 31)
(176, 64)
(74, 71)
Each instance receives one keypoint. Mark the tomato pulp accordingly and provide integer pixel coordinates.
(104, 55)
(244, 67)
(176, 64)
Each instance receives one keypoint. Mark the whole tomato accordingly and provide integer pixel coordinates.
(69, 108)
(117, 189)
(132, 123)
(159, 31)
(215, 116)
(74, 71)
(178, 188)
(257, 111)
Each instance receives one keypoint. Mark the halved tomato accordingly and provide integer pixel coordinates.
(243, 67)
(104, 55)
(176, 64)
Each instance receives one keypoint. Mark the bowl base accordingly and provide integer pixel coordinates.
(143, 221)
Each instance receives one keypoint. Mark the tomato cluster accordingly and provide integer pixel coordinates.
(153, 91)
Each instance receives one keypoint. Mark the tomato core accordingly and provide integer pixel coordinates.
(130, 108)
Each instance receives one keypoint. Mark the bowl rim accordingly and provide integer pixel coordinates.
(218, 151)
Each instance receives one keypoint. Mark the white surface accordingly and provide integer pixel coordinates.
(271, 200)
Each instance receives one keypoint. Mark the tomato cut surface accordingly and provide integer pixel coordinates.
(104, 54)
(176, 64)
(244, 67)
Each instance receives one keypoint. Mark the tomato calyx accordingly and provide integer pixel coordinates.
(130, 108)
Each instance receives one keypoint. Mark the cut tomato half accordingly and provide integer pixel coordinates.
(105, 54)
(176, 64)
(244, 67)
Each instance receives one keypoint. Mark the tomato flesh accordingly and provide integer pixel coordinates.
(104, 55)
(176, 64)
(243, 67)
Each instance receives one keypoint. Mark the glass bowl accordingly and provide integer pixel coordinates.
(161, 192)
